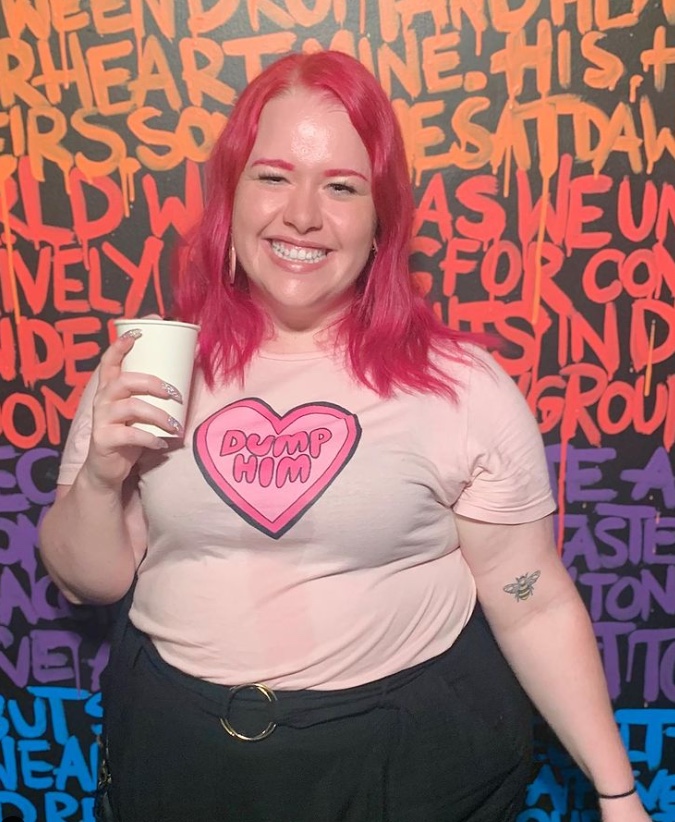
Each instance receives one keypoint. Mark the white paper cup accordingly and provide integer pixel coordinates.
(166, 350)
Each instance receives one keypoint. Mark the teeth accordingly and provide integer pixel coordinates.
(308, 255)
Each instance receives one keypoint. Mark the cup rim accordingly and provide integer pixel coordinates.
(137, 321)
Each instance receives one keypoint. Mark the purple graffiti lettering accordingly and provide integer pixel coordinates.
(580, 481)
(10, 501)
(20, 537)
(19, 670)
(658, 673)
(657, 475)
(604, 533)
(24, 475)
(608, 634)
(50, 663)
(659, 531)
(28, 493)
(628, 597)
(646, 531)
(98, 664)
(596, 583)
(31, 598)
(620, 534)
(581, 544)
(583, 474)
(45, 655)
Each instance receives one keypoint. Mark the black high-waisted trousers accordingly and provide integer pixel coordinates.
(446, 741)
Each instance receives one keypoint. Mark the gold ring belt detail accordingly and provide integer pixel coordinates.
(269, 695)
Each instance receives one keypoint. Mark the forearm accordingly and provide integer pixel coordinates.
(554, 654)
(85, 543)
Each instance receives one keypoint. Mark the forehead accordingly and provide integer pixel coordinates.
(307, 128)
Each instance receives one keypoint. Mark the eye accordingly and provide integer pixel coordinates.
(273, 179)
(342, 188)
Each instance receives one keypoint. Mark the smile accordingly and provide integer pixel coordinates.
(297, 253)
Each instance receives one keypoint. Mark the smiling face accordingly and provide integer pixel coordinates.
(304, 219)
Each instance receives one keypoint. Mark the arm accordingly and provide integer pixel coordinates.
(93, 538)
(548, 640)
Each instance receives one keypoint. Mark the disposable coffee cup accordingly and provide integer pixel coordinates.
(166, 349)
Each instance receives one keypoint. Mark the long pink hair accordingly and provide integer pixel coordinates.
(389, 333)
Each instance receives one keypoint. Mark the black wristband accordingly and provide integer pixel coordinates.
(618, 795)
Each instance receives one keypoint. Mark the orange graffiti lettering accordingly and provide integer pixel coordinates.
(406, 71)
(659, 57)
(103, 78)
(24, 14)
(517, 56)
(253, 49)
(609, 69)
(202, 81)
(55, 79)
(440, 58)
(16, 68)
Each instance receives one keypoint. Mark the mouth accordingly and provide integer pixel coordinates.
(297, 253)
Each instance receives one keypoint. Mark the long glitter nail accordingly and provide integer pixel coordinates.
(172, 392)
(132, 333)
(173, 423)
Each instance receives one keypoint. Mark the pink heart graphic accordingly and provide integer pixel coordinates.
(271, 468)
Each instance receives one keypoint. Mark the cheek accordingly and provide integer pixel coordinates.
(252, 210)
(358, 227)
(361, 232)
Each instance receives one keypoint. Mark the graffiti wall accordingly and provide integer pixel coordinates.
(541, 142)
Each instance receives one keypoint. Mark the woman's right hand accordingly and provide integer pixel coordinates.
(116, 445)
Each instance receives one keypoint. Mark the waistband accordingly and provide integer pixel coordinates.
(251, 712)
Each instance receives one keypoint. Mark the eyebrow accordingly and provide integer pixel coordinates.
(263, 161)
(344, 172)
(331, 172)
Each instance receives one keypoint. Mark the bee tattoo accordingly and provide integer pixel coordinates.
(523, 587)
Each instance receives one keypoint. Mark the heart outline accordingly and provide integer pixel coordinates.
(289, 516)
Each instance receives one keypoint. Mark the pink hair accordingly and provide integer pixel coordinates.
(390, 332)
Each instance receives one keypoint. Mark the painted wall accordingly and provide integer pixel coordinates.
(541, 139)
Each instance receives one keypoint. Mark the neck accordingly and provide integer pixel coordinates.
(287, 341)
(296, 335)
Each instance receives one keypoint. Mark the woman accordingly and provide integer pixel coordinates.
(302, 645)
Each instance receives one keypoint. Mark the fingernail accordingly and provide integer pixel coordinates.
(172, 392)
(173, 423)
(161, 445)
(132, 334)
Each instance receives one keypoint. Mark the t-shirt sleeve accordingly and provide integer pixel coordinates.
(77, 442)
(509, 481)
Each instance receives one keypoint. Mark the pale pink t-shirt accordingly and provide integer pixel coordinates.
(304, 536)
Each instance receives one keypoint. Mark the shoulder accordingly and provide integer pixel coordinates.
(470, 366)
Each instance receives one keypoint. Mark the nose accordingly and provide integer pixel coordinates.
(303, 209)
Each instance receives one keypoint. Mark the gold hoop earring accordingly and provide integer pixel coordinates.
(232, 262)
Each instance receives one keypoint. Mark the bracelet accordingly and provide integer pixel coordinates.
(618, 795)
